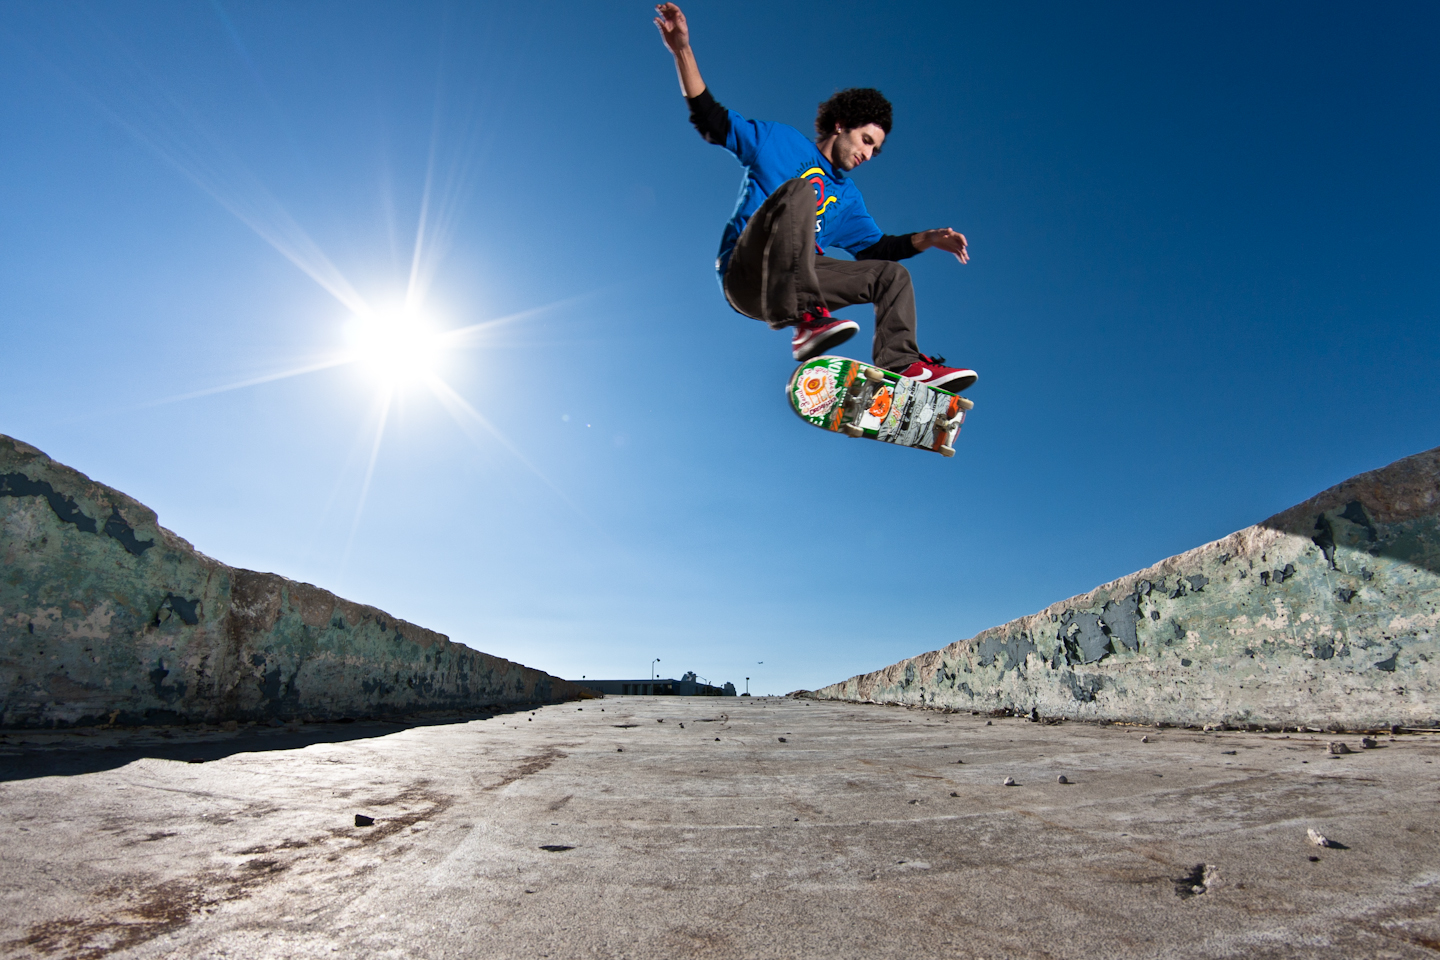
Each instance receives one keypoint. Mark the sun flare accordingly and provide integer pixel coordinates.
(396, 346)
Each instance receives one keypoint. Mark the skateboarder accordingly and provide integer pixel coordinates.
(798, 198)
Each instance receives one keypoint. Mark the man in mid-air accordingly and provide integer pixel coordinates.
(798, 199)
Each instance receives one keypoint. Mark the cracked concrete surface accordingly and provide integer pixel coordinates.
(598, 830)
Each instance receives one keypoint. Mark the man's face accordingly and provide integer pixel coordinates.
(853, 147)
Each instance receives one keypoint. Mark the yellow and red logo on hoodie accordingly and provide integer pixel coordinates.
(816, 176)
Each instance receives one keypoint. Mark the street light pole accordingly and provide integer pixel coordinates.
(747, 685)
(652, 667)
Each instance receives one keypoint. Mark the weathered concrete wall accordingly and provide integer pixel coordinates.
(107, 617)
(1326, 614)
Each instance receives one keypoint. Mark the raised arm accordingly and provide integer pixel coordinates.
(670, 21)
(710, 118)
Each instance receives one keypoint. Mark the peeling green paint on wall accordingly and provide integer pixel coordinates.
(107, 617)
(1327, 614)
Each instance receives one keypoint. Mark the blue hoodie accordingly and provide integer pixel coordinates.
(772, 154)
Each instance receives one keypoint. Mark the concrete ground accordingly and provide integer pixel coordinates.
(608, 829)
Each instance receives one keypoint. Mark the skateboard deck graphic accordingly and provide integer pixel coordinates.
(862, 400)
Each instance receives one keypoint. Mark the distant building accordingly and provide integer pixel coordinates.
(687, 686)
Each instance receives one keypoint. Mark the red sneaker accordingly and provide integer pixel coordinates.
(932, 371)
(815, 335)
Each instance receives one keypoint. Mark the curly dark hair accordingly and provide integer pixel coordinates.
(853, 108)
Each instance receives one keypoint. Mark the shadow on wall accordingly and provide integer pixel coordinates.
(1389, 514)
(28, 754)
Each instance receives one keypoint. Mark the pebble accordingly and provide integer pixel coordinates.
(987, 723)
(1144, 739)
(1061, 779)
(363, 821)
(1338, 747)
(954, 794)
(1009, 781)
(782, 739)
(1366, 743)
(1317, 838)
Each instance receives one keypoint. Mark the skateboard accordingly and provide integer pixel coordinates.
(861, 400)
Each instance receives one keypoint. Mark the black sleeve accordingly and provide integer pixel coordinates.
(889, 247)
(709, 117)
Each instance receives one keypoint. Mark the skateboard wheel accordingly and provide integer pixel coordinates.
(966, 404)
(854, 429)
(874, 373)
(947, 451)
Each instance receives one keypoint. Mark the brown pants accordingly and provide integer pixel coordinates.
(775, 275)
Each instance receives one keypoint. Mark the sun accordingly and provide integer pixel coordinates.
(397, 346)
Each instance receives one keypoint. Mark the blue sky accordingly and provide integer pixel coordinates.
(1202, 288)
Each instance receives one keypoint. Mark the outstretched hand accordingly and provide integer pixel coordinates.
(670, 21)
(943, 238)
